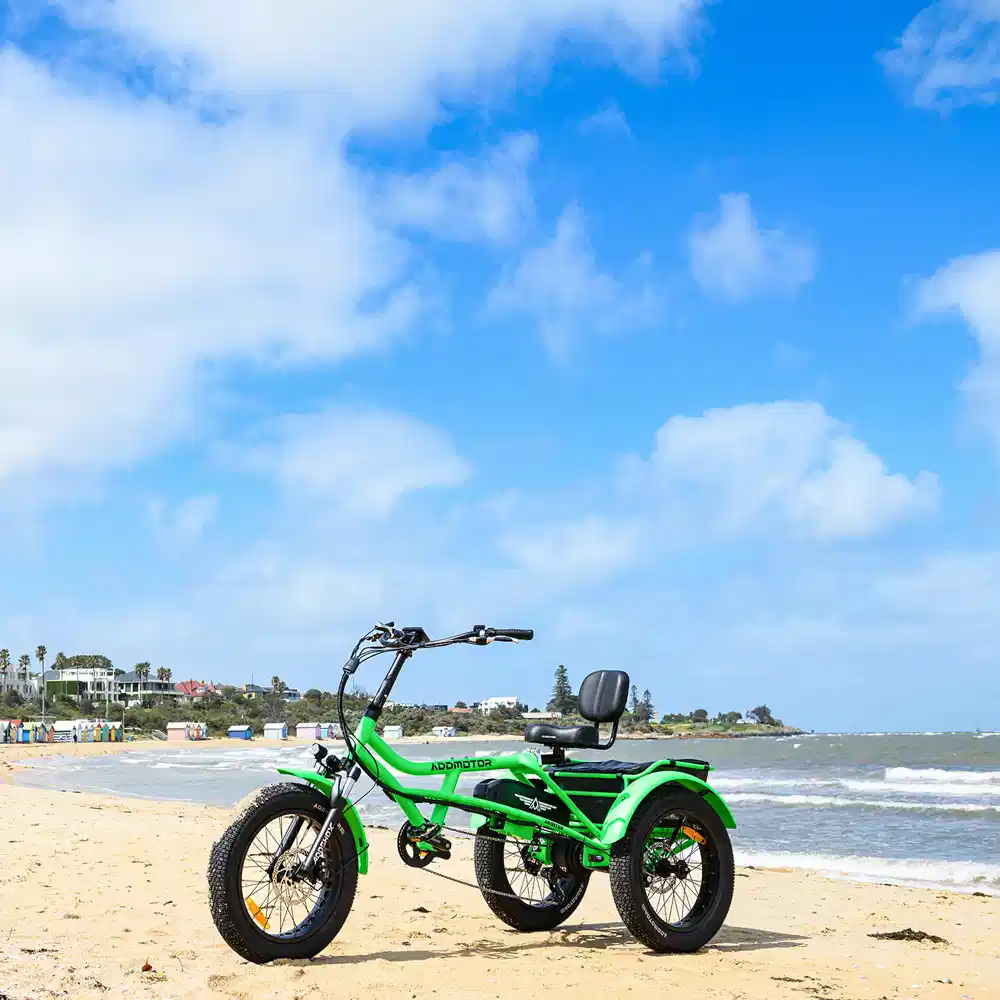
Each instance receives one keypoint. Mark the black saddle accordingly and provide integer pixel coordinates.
(603, 695)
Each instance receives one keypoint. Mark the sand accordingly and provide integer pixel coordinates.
(93, 887)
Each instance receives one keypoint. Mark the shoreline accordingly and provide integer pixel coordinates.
(137, 894)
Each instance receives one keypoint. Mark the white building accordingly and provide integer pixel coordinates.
(19, 680)
(94, 682)
(489, 704)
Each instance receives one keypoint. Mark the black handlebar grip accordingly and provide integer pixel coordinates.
(516, 633)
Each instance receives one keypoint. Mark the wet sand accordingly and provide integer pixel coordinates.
(93, 887)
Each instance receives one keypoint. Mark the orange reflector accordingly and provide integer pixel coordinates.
(693, 834)
(258, 914)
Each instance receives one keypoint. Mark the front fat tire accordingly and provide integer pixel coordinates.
(627, 875)
(492, 878)
(224, 871)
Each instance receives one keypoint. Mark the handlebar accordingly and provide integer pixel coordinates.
(518, 634)
(414, 637)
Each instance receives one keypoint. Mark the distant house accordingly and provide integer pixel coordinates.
(541, 715)
(129, 687)
(460, 711)
(195, 690)
(490, 704)
(94, 682)
(291, 694)
(254, 691)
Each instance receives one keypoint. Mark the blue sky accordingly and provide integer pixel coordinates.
(669, 329)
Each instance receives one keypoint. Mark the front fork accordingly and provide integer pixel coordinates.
(338, 800)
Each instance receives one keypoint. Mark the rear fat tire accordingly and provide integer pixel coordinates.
(522, 916)
(627, 875)
(229, 911)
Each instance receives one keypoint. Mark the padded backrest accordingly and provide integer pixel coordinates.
(603, 695)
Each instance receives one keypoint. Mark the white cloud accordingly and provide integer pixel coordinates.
(575, 552)
(360, 461)
(560, 286)
(783, 466)
(949, 55)
(486, 199)
(732, 256)
(147, 247)
(185, 523)
(609, 120)
(388, 60)
(971, 286)
(142, 248)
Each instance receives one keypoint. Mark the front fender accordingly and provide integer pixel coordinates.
(625, 805)
(325, 785)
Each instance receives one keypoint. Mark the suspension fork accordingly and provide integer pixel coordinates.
(338, 800)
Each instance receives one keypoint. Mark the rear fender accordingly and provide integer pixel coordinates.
(325, 786)
(624, 807)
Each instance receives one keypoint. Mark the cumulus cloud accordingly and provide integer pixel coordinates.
(591, 547)
(359, 461)
(142, 248)
(732, 256)
(563, 290)
(790, 467)
(949, 55)
(970, 286)
(610, 120)
(386, 61)
(184, 523)
(466, 200)
(149, 244)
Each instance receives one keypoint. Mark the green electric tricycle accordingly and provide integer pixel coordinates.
(282, 878)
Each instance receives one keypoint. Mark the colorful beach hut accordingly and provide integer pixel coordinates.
(307, 731)
(275, 731)
(178, 732)
(329, 731)
(240, 733)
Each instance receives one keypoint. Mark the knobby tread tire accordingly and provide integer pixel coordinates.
(626, 874)
(225, 893)
(491, 875)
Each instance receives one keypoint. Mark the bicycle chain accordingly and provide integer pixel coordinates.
(473, 885)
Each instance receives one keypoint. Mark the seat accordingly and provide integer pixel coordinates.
(602, 698)
(584, 737)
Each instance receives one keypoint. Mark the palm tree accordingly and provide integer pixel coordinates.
(4, 667)
(40, 653)
(163, 675)
(142, 673)
(278, 686)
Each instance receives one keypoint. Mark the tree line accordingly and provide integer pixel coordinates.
(641, 711)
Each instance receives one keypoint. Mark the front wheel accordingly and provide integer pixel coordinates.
(524, 891)
(261, 907)
(672, 873)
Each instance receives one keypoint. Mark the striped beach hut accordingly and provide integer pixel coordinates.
(240, 733)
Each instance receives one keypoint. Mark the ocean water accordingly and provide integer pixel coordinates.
(918, 809)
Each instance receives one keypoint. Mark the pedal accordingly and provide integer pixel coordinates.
(410, 838)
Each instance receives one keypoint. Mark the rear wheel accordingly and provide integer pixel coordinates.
(520, 889)
(672, 873)
(266, 914)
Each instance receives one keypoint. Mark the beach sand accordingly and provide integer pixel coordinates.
(93, 887)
